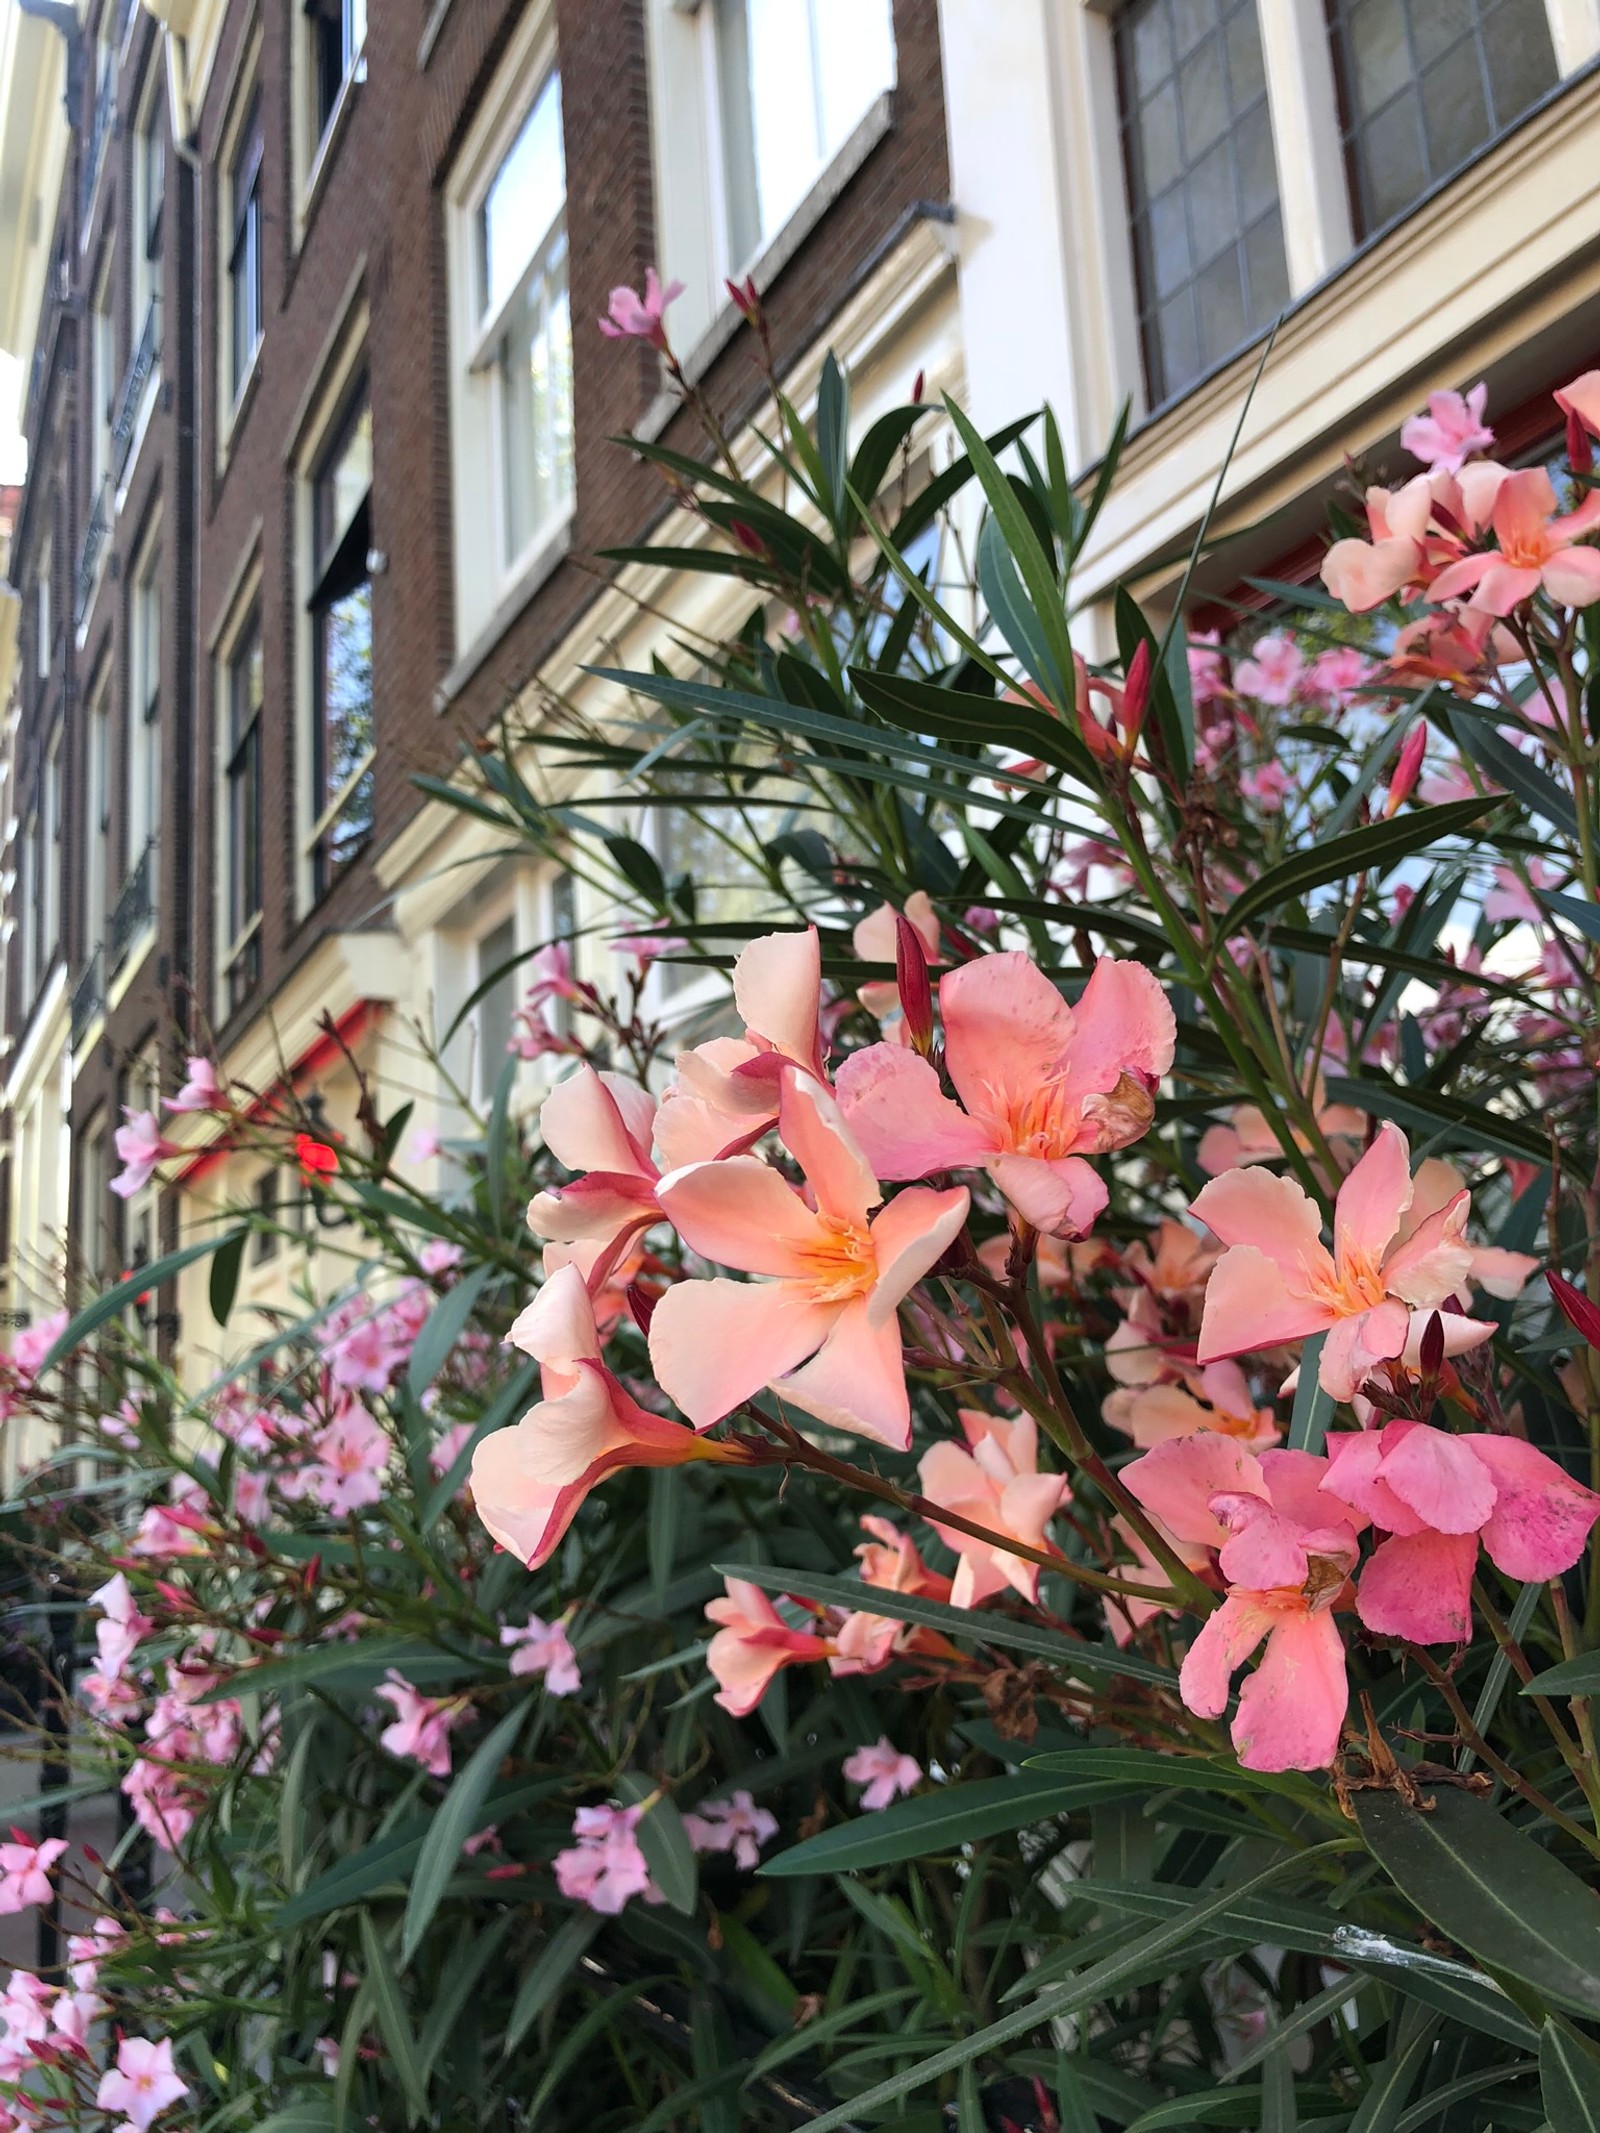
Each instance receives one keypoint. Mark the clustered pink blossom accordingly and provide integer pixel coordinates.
(539, 1647)
(604, 1865)
(884, 1772)
(422, 1724)
(735, 1825)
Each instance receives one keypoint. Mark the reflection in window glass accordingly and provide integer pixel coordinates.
(794, 79)
(244, 249)
(498, 1006)
(1202, 184)
(525, 200)
(1425, 84)
(341, 612)
(242, 775)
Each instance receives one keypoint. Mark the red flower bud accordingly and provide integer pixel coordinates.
(918, 384)
(1580, 453)
(1407, 769)
(316, 1158)
(641, 1306)
(911, 976)
(747, 537)
(1580, 1311)
(1135, 694)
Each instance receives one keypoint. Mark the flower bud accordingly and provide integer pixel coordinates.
(1580, 1311)
(1135, 695)
(1580, 453)
(1407, 769)
(911, 978)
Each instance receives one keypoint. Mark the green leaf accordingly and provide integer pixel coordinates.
(458, 1817)
(476, 1950)
(223, 1286)
(976, 1627)
(353, 1667)
(128, 1291)
(313, 2115)
(1427, 1111)
(1585, 916)
(664, 1842)
(940, 1821)
(556, 1962)
(578, 2039)
(917, 706)
(1573, 1677)
(1492, 1889)
(1149, 1771)
(393, 2020)
(443, 1327)
(1502, 764)
(1569, 2079)
(1393, 2081)
(1378, 845)
(388, 1861)
(1056, 2003)
(876, 452)
(1313, 1407)
(833, 428)
(1216, 2107)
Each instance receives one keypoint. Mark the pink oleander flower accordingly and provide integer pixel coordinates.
(437, 1258)
(996, 1483)
(1336, 673)
(74, 2015)
(25, 1872)
(1452, 428)
(1248, 1138)
(34, 1343)
(1371, 1295)
(1435, 1187)
(539, 1647)
(753, 1643)
(1436, 1496)
(123, 1625)
(1580, 403)
(352, 1457)
(1219, 1398)
(422, 1724)
(630, 317)
(181, 1527)
(424, 1146)
(528, 1481)
(725, 1095)
(1512, 899)
(1456, 646)
(884, 1771)
(1043, 1085)
(1268, 785)
(202, 1091)
(446, 1450)
(1417, 531)
(599, 1124)
(1208, 670)
(1274, 673)
(364, 1355)
(864, 1642)
(605, 1867)
(140, 1148)
(1285, 1548)
(87, 1951)
(735, 1825)
(1537, 551)
(821, 1330)
(142, 2083)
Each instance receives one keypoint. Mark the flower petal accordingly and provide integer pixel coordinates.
(1250, 1304)
(1225, 1641)
(906, 1126)
(1291, 1710)
(1063, 1197)
(1006, 1029)
(740, 1213)
(1372, 1200)
(1541, 1515)
(714, 1344)
(777, 988)
(1437, 1476)
(1419, 1586)
(856, 1381)
(911, 1235)
(812, 1128)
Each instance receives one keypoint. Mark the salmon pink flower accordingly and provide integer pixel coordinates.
(599, 1124)
(1580, 403)
(1537, 551)
(528, 1481)
(1436, 1496)
(1275, 671)
(884, 1771)
(876, 940)
(1043, 1085)
(1248, 1138)
(754, 1643)
(865, 1642)
(630, 317)
(822, 1330)
(1218, 1399)
(539, 1647)
(1452, 428)
(725, 1096)
(1285, 1548)
(995, 1482)
(1370, 1295)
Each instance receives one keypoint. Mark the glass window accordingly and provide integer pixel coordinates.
(241, 773)
(149, 190)
(102, 381)
(264, 1241)
(341, 627)
(525, 324)
(42, 621)
(97, 850)
(794, 80)
(244, 248)
(144, 710)
(1202, 184)
(50, 881)
(338, 33)
(1425, 84)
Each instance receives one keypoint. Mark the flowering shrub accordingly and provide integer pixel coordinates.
(1016, 1529)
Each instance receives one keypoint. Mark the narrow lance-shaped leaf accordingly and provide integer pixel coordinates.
(458, 1817)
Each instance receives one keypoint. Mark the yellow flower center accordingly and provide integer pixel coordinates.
(841, 1263)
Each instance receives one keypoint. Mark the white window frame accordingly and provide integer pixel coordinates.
(244, 615)
(141, 783)
(349, 360)
(313, 150)
(691, 185)
(53, 799)
(488, 578)
(103, 374)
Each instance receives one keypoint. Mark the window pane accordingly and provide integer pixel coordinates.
(524, 199)
(794, 79)
(536, 399)
(498, 1005)
(1426, 84)
(1202, 183)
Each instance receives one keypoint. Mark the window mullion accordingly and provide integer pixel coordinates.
(1312, 186)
